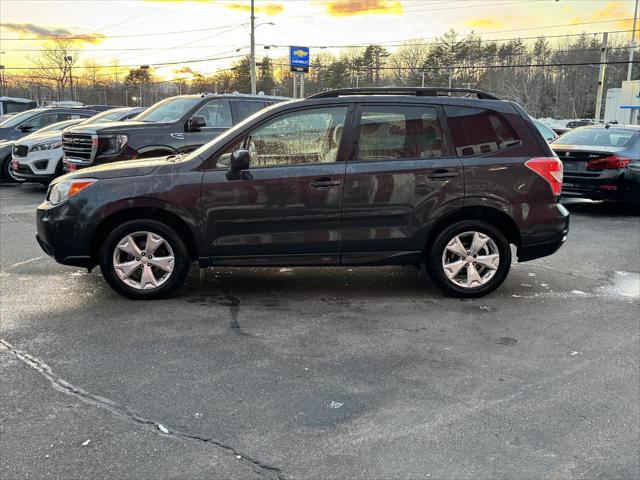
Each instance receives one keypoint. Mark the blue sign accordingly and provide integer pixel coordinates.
(299, 59)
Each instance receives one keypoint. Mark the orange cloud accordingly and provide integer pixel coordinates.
(345, 8)
(488, 22)
(45, 33)
(267, 8)
(610, 11)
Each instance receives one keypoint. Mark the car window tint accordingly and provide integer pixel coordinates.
(216, 114)
(302, 137)
(246, 109)
(477, 131)
(399, 132)
(598, 137)
(40, 121)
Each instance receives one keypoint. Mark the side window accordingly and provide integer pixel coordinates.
(400, 132)
(246, 109)
(477, 131)
(297, 138)
(217, 114)
(40, 121)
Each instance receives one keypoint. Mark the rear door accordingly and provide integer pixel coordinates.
(403, 173)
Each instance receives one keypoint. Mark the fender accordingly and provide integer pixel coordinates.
(157, 148)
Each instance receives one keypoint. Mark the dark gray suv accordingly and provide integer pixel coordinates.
(411, 176)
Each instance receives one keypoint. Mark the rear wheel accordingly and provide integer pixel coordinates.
(144, 259)
(469, 259)
(7, 172)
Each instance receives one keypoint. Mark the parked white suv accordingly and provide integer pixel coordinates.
(38, 156)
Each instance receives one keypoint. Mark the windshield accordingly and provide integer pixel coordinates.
(169, 110)
(17, 119)
(546, 132)
(598, 137)
(106, 116)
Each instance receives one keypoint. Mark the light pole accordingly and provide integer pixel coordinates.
(633, 42)
(253, 49)
(252, 67)
(2, 87)
(67, 60)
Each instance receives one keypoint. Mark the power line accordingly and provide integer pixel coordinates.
(106, 37)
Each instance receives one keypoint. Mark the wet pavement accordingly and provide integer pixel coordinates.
(323, 373)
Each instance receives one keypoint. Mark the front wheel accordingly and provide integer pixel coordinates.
(7, 172)
(470, 258)
(144, 259)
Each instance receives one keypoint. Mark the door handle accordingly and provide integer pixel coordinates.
(324, 183)
(442, 174)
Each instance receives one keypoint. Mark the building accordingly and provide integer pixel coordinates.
(622, 105)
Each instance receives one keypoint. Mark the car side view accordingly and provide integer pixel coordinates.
(443, 179)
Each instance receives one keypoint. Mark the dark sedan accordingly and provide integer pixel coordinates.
(601, 162)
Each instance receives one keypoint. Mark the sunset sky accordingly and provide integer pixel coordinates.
(139, 32)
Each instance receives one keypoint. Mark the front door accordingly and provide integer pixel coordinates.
(285, 209)
(403, 174)
(217, 115)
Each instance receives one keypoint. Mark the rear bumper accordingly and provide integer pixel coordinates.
(612, 187)
(557, 228)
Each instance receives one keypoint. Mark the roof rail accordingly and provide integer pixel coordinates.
(417, 91)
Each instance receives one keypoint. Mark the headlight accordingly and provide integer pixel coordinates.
(68, 188)
(47, 146)
(115, 143)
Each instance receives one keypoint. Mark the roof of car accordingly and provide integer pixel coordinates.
(633, 128)
(246, 96)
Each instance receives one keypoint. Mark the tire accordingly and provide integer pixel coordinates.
(490, 273)
(135, 279)
(7, 172)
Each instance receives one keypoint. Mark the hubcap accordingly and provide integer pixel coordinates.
(470, 259)
(143, 260)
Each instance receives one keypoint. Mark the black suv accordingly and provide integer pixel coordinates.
(347, 177)
(172, 126)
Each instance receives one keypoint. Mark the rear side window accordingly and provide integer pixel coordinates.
(478, 131)
(216, 114)
(396, 132)
(246, 109)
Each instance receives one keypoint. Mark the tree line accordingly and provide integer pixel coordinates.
(548, 77)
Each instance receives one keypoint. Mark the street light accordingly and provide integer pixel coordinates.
(68, 59)
(253, 46)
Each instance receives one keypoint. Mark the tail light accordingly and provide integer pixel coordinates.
(549, 168)
(612, 162)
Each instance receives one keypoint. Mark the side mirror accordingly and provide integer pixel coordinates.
(240, 160)
(195, 123)
(25, 127)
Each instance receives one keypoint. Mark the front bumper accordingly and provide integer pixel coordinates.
(64, 234)
(26, 173)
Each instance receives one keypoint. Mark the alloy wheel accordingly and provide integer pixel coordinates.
(143, 260)
(470, 259)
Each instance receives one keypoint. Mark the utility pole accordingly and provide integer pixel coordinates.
(253, 49)
(2, 87)
(633, 42)
(603, 67)
(423, 79)
(450, 76)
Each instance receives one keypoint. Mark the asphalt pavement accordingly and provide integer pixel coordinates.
(308, 373)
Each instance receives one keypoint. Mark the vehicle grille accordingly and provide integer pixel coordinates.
(20, 150)
(78, 147)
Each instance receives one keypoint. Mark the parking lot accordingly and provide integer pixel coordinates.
(323, 373)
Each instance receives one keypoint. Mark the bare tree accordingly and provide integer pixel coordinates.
(55, 63)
